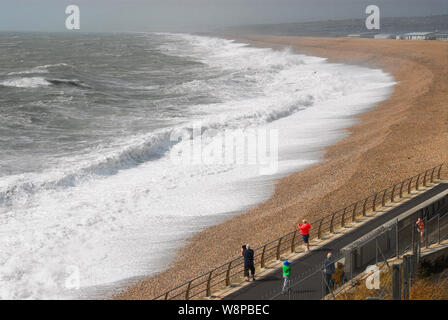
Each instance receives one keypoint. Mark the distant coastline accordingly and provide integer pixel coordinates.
(343, 28)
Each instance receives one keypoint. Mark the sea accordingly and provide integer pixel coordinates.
(91, 194)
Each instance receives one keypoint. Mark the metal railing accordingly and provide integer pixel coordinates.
(393, 239)
(225, 273)
(399, 236)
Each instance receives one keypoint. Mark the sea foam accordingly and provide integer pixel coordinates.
(31, 82)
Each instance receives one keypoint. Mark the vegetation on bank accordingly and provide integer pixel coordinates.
(430, 283)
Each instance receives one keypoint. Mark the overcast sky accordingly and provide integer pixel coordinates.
(196, 15)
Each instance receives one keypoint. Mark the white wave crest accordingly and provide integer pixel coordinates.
(38, 69)
(33, 82)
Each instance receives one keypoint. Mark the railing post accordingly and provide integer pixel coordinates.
(440, 171)
(166, 295)
(419, 252)
(293, 242)
(413, 238)
(208, 292)
(374, 201)
(424, 178)
(397, 240)
(187, 293)
(319, 231)
(262, 256)
(438, 228)
(406, 274)
(364, 208)
(416, 184)
(376, 251)
(343, 218)
(396, 281)
(383, 201)
(331, 222)
(278, 248)
(401, 190)
(392, 196)
(228, 274)
(409, 186)
(354, 212)
(432, 173)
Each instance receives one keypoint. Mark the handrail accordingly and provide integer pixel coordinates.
(434, 236)
(326, 224)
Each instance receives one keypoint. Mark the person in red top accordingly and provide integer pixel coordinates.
(421, 228)
(304, 228)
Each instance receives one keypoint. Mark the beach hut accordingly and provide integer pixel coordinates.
(384, 36)
(441, 36)
(418, 36)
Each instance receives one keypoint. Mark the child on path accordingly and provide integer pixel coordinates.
(286, 275)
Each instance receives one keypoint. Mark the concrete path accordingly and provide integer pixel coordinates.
(311, 288)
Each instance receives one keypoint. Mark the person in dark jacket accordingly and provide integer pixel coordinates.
(329, 271)
(248, 256)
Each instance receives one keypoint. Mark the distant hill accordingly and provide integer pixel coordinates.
(341, 28)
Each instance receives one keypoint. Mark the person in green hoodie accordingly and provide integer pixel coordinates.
(286, 275)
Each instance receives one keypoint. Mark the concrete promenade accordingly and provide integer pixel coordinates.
(267, 286)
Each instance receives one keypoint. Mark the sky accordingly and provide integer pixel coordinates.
(196, 15)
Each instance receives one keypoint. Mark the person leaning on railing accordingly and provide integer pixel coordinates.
(304, 228)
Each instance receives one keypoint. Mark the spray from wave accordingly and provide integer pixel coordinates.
(32, 82)
(38, 69)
